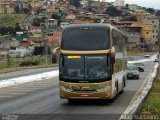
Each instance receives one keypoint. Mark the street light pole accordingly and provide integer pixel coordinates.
(46, 44)
(159, 52)
(46, 54)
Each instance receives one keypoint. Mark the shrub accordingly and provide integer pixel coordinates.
(29, 62)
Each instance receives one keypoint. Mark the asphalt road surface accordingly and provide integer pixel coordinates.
(40, 101)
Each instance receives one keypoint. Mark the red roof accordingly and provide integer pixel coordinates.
(56, 38)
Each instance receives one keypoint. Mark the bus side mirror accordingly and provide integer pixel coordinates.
(113, 55)
(55, 52)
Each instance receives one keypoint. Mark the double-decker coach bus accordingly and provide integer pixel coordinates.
(92, 62)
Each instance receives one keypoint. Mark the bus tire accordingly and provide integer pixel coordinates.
(71, 101)
(111, 100)
(124, 80)
(123, 85)
(117, 88)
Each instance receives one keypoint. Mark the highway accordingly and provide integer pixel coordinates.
(40, 101)
(27, 72)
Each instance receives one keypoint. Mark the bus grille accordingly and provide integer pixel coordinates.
(84, 91)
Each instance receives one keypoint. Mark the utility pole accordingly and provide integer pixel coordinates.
(46, 44)
(159, 51)
(45, 48)
(3, 9)
(46, 51)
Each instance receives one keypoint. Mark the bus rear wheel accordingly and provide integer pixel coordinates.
(112, 100)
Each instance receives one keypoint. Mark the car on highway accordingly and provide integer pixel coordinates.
(156, 60)
(132, 72)
(140, 66)
(146, 55)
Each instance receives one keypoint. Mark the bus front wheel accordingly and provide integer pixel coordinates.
(71, 101)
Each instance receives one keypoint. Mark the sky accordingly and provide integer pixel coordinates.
(144, 3)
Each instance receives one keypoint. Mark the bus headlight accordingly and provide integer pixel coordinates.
(104, 88)
(66, 89)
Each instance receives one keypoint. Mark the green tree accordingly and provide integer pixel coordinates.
(127, 5)
(40, 10)
(36, 22)
(3, 31)
(17, 9)
(8, 60)
(43, 19)
(55, 16)
(11, 30)
(75, 2)
(30, 7)
(112, 11)
(150, 10)
(158, 13)
(17, 27)
(25, 10)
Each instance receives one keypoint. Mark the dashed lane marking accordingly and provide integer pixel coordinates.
(5, 96)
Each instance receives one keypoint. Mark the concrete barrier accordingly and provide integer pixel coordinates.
(133, 108)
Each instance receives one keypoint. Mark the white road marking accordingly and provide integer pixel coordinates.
(18, 93)
(4, 96)
(30, 78)
(27, 90)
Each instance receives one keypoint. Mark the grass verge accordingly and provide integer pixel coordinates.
(25, 63)
(151, 105)
(11, 19)
(135, 54)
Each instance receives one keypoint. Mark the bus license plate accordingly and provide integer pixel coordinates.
(84, 95)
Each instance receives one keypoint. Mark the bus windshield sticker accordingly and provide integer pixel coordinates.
(94, 57)
(74, 57)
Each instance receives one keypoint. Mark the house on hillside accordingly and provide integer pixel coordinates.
(54, 39)
(7, 7)
(4, 42)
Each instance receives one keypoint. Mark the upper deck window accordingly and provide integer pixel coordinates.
(86, 38)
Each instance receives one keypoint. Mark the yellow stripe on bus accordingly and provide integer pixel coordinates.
(74, 57)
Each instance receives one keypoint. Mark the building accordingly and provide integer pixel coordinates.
(35, 4)
(155, 25)
(139, 34)
(4, 42)
(133, 7)
(6, 7)
(142, 13)
(119, 3)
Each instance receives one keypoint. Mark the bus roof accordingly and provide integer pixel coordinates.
(93, 25)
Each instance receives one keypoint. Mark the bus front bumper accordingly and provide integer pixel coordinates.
(86, 94)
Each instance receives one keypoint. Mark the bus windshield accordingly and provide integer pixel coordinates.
(85, 39)
(85, 68)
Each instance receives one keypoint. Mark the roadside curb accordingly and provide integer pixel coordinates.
(30, 78)
(134, 107)
(25, 68)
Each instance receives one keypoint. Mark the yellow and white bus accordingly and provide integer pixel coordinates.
(92, 62)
